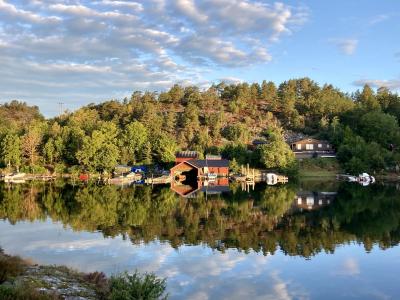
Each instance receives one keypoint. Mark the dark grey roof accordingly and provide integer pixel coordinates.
(215, 188)
(187, 154)
(201, 163)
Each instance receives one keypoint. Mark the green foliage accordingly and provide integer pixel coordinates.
(234, 166)
(356, 155)
(99, 136)
(136, 286)
(34, 169)
(239, 153)
(379, 127)
(277, 153)
(10, 150)
(100, 151)
(367, 99)
(237, 133)
(164, 148)
(134, 142)
(23, 293)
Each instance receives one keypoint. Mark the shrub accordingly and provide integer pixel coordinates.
(75, 170)
(10, 266)
(60, 168)
(34, 169)
(136, 286)
(8, 292)
(99, 279)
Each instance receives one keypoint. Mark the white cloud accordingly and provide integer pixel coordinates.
(133, 5)
(346, 46)
(189, 9)
(230, 80)
(103, 47)
(379, 19)
(349, 267)
(393, 84)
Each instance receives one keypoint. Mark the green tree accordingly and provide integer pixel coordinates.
(277, 153)
(10, 148)
(367, 99)
(134, 140)
(99, 150)
(164, 149)
(31, 141)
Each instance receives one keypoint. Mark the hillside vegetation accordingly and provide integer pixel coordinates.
(149, 127)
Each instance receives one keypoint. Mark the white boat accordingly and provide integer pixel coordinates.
(272, 178)
(365, 179)
(352, 179)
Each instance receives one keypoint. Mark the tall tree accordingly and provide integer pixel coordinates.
(134, 140)
(367, 99)
(31, 141)
(99, 150)
(277, 153)
(10, 148)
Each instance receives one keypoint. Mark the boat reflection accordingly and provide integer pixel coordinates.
(308, 200)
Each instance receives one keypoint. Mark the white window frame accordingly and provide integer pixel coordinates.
(319, 145)
(309, 146)
(298, 146)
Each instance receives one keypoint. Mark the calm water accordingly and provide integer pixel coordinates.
(312, 240)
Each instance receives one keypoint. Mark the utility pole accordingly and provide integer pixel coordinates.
(61, 107)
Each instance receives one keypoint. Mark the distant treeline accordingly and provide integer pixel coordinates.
(149, 127)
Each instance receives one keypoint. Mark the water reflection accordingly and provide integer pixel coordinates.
(297, 219)
(216, 244)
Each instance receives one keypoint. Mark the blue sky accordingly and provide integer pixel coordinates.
(79, 52)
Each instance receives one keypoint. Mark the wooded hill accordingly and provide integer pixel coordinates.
(150, 127)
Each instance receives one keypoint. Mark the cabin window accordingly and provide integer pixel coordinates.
(299, 201)
(320, 202)
(309, 146)
(298, 146)
(310, 200)
(328, 146)
(319, 145)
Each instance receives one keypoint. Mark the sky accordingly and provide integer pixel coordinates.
(80, 52)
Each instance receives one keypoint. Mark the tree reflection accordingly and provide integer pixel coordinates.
(263, 220)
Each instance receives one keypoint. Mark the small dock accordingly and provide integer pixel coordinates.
(251, 175)
(164, 179)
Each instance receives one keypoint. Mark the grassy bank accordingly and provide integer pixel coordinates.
(22, 280)
(319, 168)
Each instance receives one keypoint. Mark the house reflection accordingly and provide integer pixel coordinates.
(214, 187)
(307, 200)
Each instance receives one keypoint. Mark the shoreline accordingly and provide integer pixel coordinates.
(23, 279)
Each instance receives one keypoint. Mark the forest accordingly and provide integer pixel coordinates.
(148, 128)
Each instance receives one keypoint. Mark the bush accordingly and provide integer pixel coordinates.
(34, 169)
(136, 286)
(23, 293)
(10, 267)
(74, 170)
(99, 279)
(59, 168)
